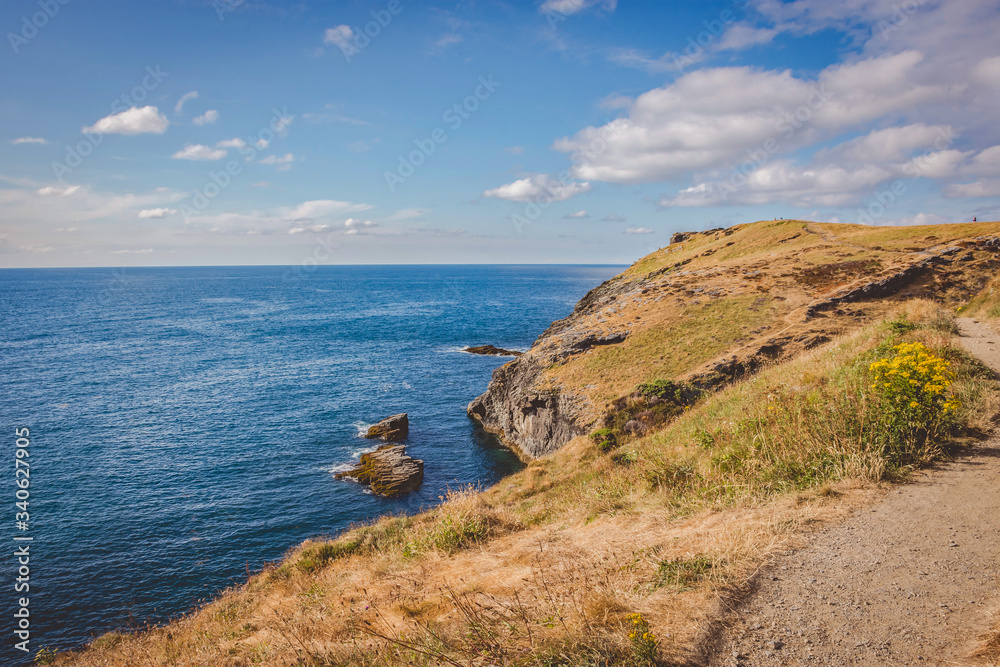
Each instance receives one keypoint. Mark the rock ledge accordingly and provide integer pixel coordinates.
(391, 429)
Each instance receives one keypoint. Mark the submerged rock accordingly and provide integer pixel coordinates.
(388, 471)
(391, 429)
(491, 351)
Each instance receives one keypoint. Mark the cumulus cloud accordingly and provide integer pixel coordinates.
(357, 226)
(579, 215)
(893, 144)
(909, 79)
(29, 140)
(137, 120)
(185, 98)
(538, 187)
(639, 230)
(157, 213)
(710, 118)
(981, 188)
(611, 217)
(207, 118)
(197, 152)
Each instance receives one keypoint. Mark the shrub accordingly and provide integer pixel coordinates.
(648, 408)
(605, 439)
(912, 388)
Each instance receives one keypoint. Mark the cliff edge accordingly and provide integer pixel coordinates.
(715, 306)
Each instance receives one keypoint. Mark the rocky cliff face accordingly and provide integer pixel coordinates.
(530, 415)
(716, 306)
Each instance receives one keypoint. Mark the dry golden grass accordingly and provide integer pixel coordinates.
(986, 304)
(544, 568)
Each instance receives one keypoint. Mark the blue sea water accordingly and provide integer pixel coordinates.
(185, 421)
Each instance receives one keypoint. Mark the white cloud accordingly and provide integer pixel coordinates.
(232, 143)
(569, 7)
(186, 97)
(639, 230)
(611, 217)
(207, 118)
(283, 163)
(987, 162)
(144, 120)
(62, 191)
(197, 152)
(538, 187)
(579, 215)
(29, 140)
(320, 208)
(987, 72)
(982, 188)
(938, 165)
(893, 144)
(351, 223)
(342, 36)
(742, 36)
(157, 213)
(710, 118)
(41, 207)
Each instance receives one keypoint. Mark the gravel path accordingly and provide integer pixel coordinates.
(912, 581)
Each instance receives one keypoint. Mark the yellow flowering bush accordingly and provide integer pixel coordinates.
(915, 383)
(644, 642)
(913, 387)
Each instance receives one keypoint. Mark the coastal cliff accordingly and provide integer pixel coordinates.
(716, 306)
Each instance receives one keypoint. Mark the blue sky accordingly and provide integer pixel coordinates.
(585, 131)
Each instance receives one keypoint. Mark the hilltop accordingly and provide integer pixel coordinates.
(694, 416)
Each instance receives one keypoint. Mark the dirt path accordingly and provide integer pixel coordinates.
(911, 581)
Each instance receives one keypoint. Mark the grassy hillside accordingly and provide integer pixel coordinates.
(623, 553)
(729, 292)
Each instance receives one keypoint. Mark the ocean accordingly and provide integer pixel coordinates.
(185, 422)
